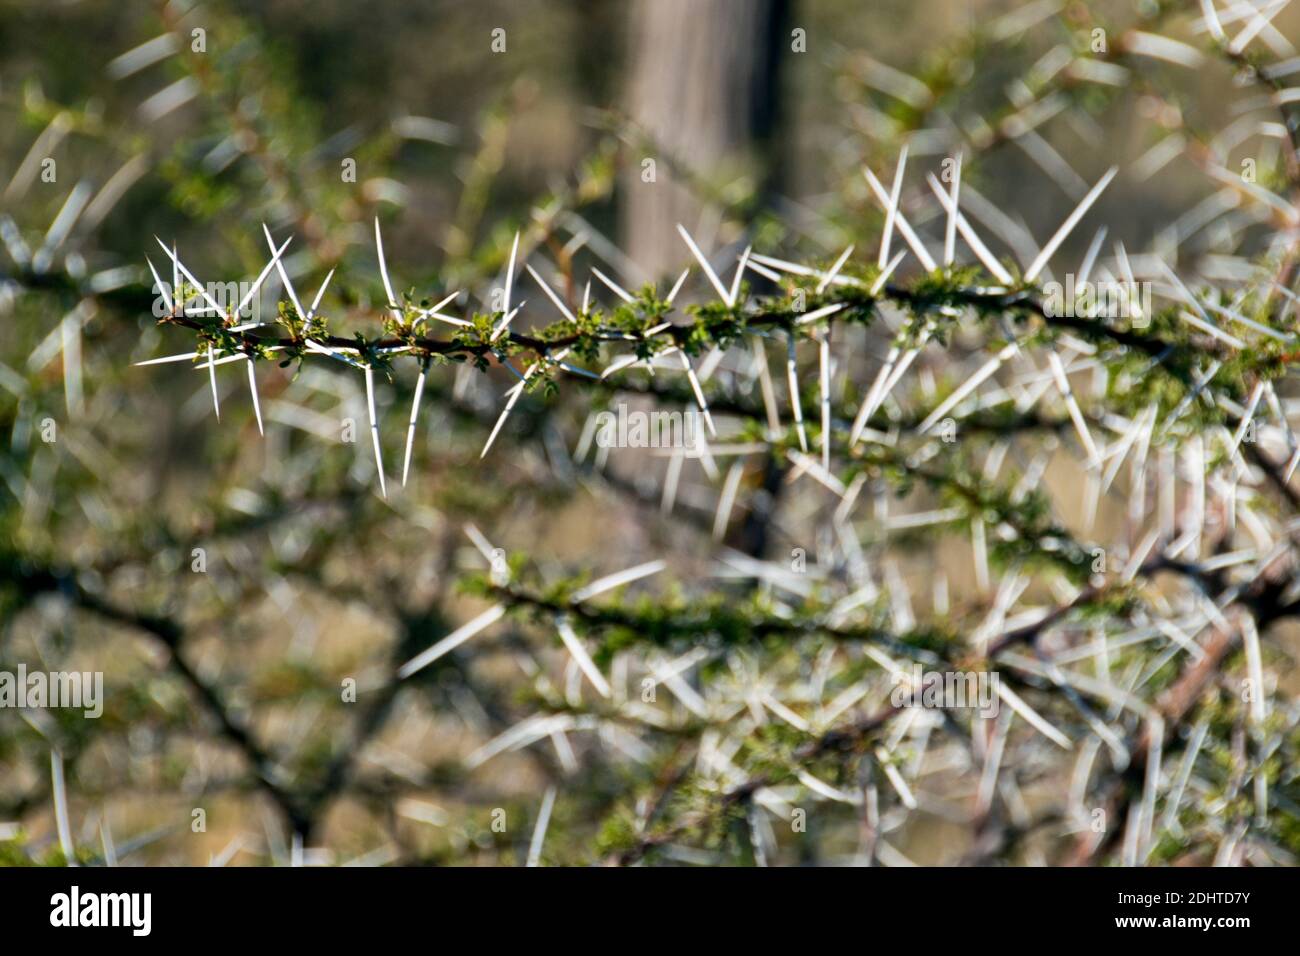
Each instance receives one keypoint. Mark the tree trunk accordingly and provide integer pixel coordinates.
(703, 90)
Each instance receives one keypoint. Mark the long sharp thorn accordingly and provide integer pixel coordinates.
(968, 386)
(699, 393)
(968, 233)
(320, 294)
(212, 377)
(740, 274)
(829, 277)
(795, 404)
(614, 287)
(510, 274)
(410, 429)
(913, 241)
(1061, 234)
(257, 405)
(950, 234)
(550, 293)
(284, 276)
(374, 428)
(506, 319)
(189, 276)
(383, 273)
(248, 296)
(513, 396)
(704, 264)
(824, 384)
(677, 286)
(162, 289)
(887, 272)
(891, 209)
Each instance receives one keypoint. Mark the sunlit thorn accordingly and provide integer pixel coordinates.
(829, 277)
(61, 807)
(740, 274)
(722, 517)
(580, 656)
(824, 387)
(1212, 23)
(383, 273)
(1072, 405)
(950, 234)
(887, 272)
(1066, 227)
(821, 313)
(315, 303)
(451, 641)
(968, 233)
(716, 282)
(550, 294)
(767, 387)
(189, 277)
(972, 383)
(699, 393)
(374, 428)
(162, 289)
(539, 831)
(510, 274)
(904, 228)
(617, 580)
(1259, 20)
(891, 208)
(512, 397)
(792, 377)
(504, 323)
(212, 378)
(284, 276)
(613, 286)
(252, 387)
(415, 414)
(677, 286)
(248, 296)
(1090, 257)
(435, 312)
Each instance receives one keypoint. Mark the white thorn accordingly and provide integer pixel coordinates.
(383, 272)
(374, 428)
(410, 430)
(252, 387)
(1054, 243)
(704, 264)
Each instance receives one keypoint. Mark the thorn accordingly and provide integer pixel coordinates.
(252, 387)
(950, 234)
(510, 274)
(614, 286)
(162, 289)
(383, 273)
(1054, 243)
(704, 263)
(793, 378)
(374, 428)
(891, 208)
(415, 413)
